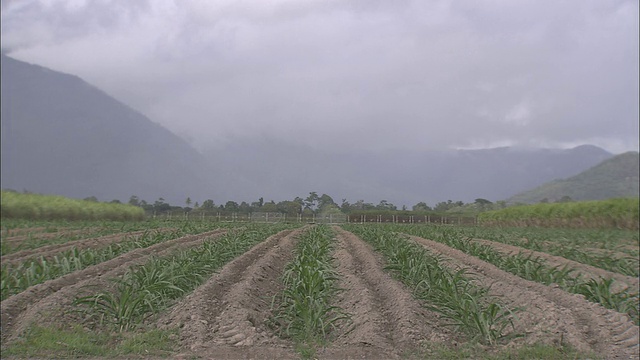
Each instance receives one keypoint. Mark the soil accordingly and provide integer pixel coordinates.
(621, 282)
(21, 231)
(550, 315)
(40, 302)
(43, 236)
(387, 322)
(49, 251)
(225, 317)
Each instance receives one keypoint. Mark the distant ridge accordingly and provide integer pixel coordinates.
(61, 135)
(612, 178)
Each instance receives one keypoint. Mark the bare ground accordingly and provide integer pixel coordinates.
(622, 282)
(49, 251)
(387, 321)
(48, 301)
(225, 317)
(550, 314)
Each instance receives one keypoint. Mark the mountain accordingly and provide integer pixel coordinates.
(60, 135)
(277, 170)
(612, 178)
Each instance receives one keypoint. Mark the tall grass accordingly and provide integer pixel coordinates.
(614, 213)
(52, 207)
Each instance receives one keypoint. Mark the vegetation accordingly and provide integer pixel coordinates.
(304, 311)
(467, 306)
(535, 269)
(613, 178)
(616, 213)
(52, 207)
(147, 289)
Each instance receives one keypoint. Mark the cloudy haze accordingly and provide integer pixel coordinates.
(352, 74)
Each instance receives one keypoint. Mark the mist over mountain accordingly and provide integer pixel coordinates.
(616, 177)
(279, 170)
(61, 135)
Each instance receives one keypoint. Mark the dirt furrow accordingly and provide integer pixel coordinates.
(43, 236)
(49, 251)
(550, 314)
(39, 301)
(225, 317)
(15, 232)
(621, 282)
(387, 321)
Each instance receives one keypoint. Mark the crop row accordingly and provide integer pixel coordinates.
(303, 311)
(533, 268)
(17, 278)
(453, 294)
(570, 245)
(147, 289)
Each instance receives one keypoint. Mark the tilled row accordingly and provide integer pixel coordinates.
(225, 317)
(622, 282)
(550, 315)
(39, 301)
(49, 251)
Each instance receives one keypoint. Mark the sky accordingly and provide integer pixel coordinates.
(342, 75)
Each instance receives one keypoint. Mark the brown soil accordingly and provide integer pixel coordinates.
(622, 282)
(40, 302)
(49, 251)
(550, 314)
(225, 317)
(16, 239)
(21, 231)
(387, 321)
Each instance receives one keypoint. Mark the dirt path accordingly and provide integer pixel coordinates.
(387, 322)
(15, 240)
(39, 302)
(49, 251)
(225, 317)
(621, 281)
(550, 314)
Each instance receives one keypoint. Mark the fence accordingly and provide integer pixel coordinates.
(272, 217)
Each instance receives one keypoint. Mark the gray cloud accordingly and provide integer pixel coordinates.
(342, 74)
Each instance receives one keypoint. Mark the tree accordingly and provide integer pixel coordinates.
(421, 206)
(311, 201)
(325, 201)
(208, 205)
(231, 206)
(483, 204)
(91, 198)
(385, 205)
(134, 200)
(116, 201)
(188, 201)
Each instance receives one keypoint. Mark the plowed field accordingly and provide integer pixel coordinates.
(228, 315)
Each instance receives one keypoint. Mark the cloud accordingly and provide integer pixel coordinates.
(351, 74)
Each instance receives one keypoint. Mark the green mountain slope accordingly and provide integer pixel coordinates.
(615, 177)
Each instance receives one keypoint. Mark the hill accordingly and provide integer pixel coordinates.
(613, 178)
(62, 136)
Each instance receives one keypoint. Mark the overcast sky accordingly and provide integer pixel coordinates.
(339, 74)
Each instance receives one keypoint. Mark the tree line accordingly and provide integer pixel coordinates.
(315, 204)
